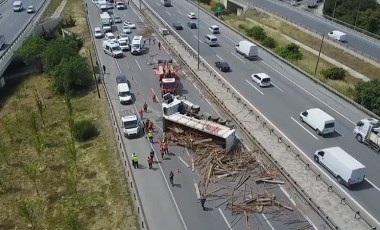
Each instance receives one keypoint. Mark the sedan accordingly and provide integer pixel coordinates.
(177, 26)
(127, 30)
(130, 25)
(191, 15)
(117, 19)
(98, 32)
(121, 79)
(123, 36)
(192, 25)
(30, 10)
(223, 66)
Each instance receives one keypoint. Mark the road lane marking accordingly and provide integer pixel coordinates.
(155, 95)
(138, 64)
(287, 195)
(167, 12)
(137, 14)
(378, 189)
(197, 191)
(157, 4)
(225, 219)
(339, 133)
(266, 219)
(229, 38)
(206, 22)
(187, 152)
(309, 93)
(197, 38)
(219, 57)
(179, 12)
(254, 86)
(278, 87)
(183, 162)
(238, 57)
(304, 128)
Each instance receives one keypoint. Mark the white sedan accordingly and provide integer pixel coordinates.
(130, 25)
(192, 15)
(98, 32)
(127, 30)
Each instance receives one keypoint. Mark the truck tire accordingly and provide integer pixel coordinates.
(339, 179)
(359, 138)
(318, 132)
(301, 119)
(316, 159)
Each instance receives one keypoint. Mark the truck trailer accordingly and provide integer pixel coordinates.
(368, 131)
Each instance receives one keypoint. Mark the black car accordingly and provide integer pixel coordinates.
(192, 25)
(121, 79)
(178, 26)
(223, 66)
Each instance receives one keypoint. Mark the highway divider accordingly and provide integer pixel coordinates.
(344, 199)
(120, 142)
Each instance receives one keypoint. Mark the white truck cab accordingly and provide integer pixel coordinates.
(130, 123)
(368, 131)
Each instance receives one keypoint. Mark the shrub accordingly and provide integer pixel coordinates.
(242, 27)
(217, 4)
(207, 2)
(257, 33)
(334, 73)
(368, 95)
(84, 130)
(290, 52)
(269, 42)
(69, 22)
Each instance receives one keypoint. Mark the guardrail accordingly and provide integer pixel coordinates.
(6, 57)
(120, 140)
(309, 164)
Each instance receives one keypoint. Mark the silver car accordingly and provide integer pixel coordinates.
(30, 10)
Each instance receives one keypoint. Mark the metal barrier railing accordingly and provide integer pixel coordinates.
(309, 164)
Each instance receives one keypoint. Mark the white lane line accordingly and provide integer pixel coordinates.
(180, 12)
(155, 94)
(219, 57)
(138, 64)
(225, 219)
(238, 57)
(287, 195)
(137, 14)
(339, 133)
(254, 86)
(197, 38)
(304, 128)
(197, 190)
(187, 152)
(309, 93)
(278, 87)
(186, 75)
(229, 38)
(266, 219)
(167, 12)
(157, 4)
(206, 22)
(378, 189)
(183, 162)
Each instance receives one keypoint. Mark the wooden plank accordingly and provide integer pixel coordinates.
(273, 181)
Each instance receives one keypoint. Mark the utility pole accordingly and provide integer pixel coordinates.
(336, 1)
(198, 33)
(93, 73)
(319, 54)
(357, 16)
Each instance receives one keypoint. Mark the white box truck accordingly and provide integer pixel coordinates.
(105, 19)
(338, 35)
(368, 131)
(320, 121)
(166, 2)
(346, 169)
(247, 49)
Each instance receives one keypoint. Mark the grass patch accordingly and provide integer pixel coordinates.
(38, 176)
(51, 8)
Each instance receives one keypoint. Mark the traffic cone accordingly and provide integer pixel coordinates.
(178, 171)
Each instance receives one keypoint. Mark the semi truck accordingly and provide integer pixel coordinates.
(167, 77)
(105, 19)
(166, 2)
(368, 131)
(179, 112)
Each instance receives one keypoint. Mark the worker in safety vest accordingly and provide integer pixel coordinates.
(150, 136)
(135, 160)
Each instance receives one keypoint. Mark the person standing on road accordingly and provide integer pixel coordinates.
(165, 147)
(150, 136)
(147, 125)
(159, 45)
(162, 151)
(151, 154)
(171, 178)
(150, 162)
(145, 107)
(141, 113)
(203, 201)
(135, 160)
(104, 69)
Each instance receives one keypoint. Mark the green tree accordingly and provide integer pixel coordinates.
(32, 49)
(290, 52)
(368, 95)
(72, 74)
(58, 51)
(334, 73)
(269, 42)
(257, 33)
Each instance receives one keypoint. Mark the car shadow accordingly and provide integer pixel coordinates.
(361, 186)
(333, 135)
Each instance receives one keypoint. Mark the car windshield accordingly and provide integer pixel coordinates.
(117, 18)
(329, 125)
(266, 80)
(130, 124)
(124, 94)
(169, 85)
(135, 46)
(111, 37)
(123, 43)
(124, 36)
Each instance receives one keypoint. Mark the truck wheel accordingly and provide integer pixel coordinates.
(339, 179)
(359, 138)
(318, 132)
(301, 119)
(316, 159)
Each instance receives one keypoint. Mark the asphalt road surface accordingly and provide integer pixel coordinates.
(291, 94)
(12, 23)
(169, 207)
(321, 26)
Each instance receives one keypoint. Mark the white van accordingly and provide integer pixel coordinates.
(213, 29)
(343, 166)
(261, 79)
(338, 35)
(247, 49)
(17, 6)
(211, 40)
(124, 93)
(320, 121)
(124, 44)
(112, 48)
(137, 46)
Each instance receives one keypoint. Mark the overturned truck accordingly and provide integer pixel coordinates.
(178, 113)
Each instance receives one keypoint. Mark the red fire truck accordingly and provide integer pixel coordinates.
(168, 78)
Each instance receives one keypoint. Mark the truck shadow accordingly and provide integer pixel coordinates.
(361, 186)
(333, 135)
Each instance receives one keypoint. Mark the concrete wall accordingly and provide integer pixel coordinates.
(49, 25)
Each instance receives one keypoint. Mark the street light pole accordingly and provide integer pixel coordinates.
(336, 1)
(357, 15)
(319, 55)
(198, 33)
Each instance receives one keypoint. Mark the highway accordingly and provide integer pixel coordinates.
(291, 94)
(169, 207)
(12, 23)
(320, 25)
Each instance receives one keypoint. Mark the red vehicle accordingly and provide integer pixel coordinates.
(168, 79)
